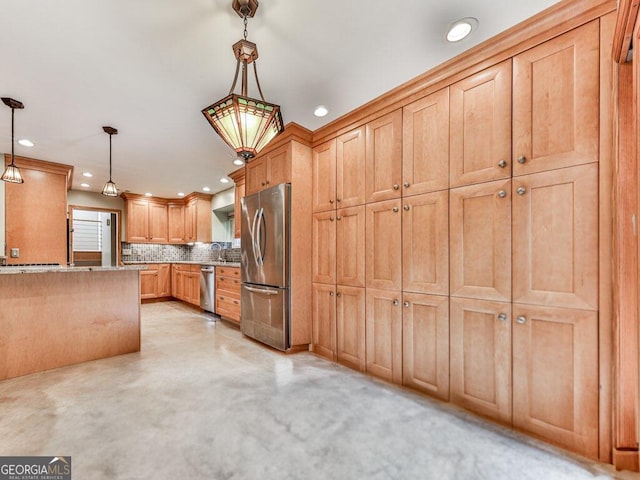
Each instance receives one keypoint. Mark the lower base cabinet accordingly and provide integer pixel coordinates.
(383, 334)
(185, 283)
(228, 287)
(155, 281)
(323, 322)
(350, 327)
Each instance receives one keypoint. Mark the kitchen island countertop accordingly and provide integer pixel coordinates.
(186, 262)
(64, 269)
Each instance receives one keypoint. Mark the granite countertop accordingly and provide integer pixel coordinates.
(9, 270)
(188, 262)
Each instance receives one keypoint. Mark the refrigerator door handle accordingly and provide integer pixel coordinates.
(253, 236)
(265, 291)
(263, 248)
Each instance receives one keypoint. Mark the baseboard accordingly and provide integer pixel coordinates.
(626, 460)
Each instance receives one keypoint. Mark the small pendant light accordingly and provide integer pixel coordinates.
(12, 172)
(110, 189)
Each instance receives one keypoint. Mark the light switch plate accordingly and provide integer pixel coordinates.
(15, 253)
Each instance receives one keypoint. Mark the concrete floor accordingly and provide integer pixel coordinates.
(202, 402)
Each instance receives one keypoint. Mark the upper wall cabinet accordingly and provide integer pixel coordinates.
(350, 168)
(556, 102)
(147, 221)
(383, 171)
(238, 178)
(324, 176)
(425, 144)
(268, 170)
(481, 126)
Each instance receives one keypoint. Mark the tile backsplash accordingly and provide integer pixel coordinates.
(206, 252)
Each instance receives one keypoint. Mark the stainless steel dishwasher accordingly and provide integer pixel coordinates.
(208, 288)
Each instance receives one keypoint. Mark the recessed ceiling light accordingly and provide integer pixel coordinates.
(181, 194)
(460, 29)
(25, 142)
(148, 194)
(206, 189)
(87, 174)
(85, 185)
(320, 111)
(238, 161)
(224, 180)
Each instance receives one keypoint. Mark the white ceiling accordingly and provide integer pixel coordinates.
(148, 68)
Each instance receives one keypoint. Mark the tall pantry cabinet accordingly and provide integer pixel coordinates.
(478, 229)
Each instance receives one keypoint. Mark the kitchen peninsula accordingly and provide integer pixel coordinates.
(57, 316)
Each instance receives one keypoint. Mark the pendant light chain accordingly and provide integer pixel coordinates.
(245, 26)
(13, 114)
(110, 135)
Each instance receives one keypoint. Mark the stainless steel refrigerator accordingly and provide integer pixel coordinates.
(265, 266)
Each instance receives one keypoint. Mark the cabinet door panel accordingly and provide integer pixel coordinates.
(175, 215)
(425, 243)
(556, 102)
(555, 375)
(164, 280)
(158, 224)
(350, 168)
(324, 321)
(384, 245)
(324, 247)
(278, 166)
(555, 238)
(425, 346)
(350, 323)
(190, 225)
(384, 157)
(256, 175)
(137, 221)
(324, 176)
(384, 334)
(149, 282)
(350, 249)
(481, 357)
(480, 229)
(481, 126)
(425, 144)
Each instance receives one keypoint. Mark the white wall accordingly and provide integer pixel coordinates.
(3, 239)
(220, 220)
(79, 198)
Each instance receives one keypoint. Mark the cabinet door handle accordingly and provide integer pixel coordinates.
(407, 208)
(502, 194)
(521, 319)
(331, 294)
(396, 186)
(267, 182)
(502, 317)
(406, 184)
(338, 217)
(502, 163)
(263, 184)
(395, 302)
(521, 190)
(338, 294)
(331, 200)
(338, 199)
(522, 159)
(406, 304)
(395, 209)
(331, 218)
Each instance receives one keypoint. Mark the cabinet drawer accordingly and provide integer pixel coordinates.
(231, 285)
(228, 307)
(228, 272)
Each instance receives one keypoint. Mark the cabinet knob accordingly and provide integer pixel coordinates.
(406, 304)
(396, 186)
(331, 218)
(502, 317)
(407, 207)
(338, 217)
(522, 160)
(502, 194)
(502, 163)
(338, 199)
(338, 294)
(331, 294)
(395, 209)
(331, 200)
(267, 182)
(521, 190)
(521, 319)
(395, 302)
(263, 184)
(406, 184)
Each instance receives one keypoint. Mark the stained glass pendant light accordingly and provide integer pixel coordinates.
(110, 189)
(244, 123)
(12, 173)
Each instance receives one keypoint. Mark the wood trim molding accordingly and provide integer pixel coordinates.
(555, 20)
(72, 208)
(43, 166)
(237, 175)
(625, 24)
(292, 131)
(166, 201)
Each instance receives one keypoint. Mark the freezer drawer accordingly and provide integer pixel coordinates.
(265, 315)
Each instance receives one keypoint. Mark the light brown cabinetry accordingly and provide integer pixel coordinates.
(155, 281)
(228, 286)
(324, 247)
(175, 214)
(238, 178)
(323, 324)
(147, 221)
(185, 283)
(383, 164)
(425, 144)
(556, 102)
(323, 170)
(350, 168)
(383, 334)
(268, 170)
(425, 343)
(350, 327)
(481, 126)
(350, 246)
(197, 217)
